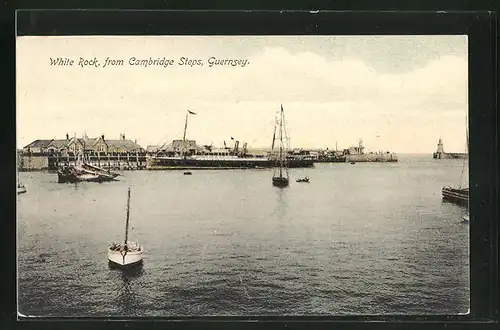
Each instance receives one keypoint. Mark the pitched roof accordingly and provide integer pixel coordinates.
(58, 143)
(39, 144)
(127, 144)
(89, 143)
(177, 145)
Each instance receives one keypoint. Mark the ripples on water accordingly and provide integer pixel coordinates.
(359, 239)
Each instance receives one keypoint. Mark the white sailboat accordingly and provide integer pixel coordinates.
(126, 253)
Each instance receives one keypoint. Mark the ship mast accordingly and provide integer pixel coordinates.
(128, 216)
(282, 151)
(466, 157)
(274, 136)
(281, 142)
(185, 130)
(467, 134)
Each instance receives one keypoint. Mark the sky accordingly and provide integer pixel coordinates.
(396, 93)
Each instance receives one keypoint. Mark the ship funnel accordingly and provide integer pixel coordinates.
(236, 144)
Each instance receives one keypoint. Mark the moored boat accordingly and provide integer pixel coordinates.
(126, 253)
(84, 172)
(305, 179)
(120, 254)
(280, 176)
(21, 189)
(459, 195)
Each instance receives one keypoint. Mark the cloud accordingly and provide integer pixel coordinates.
(326, 99)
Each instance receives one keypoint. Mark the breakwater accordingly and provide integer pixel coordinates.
(449, 155)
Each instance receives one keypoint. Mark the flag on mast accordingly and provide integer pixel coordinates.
(191, 112)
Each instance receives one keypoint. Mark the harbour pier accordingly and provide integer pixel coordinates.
(111, 161)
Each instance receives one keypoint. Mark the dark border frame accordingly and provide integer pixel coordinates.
(483, 124)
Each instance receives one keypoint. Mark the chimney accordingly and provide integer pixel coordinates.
(67, 136)
(123, 136)
(102, 137)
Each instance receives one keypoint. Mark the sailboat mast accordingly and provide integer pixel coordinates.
(281, 141)
(466, 158)
(467, 134)
(274, 136)
(128, 216)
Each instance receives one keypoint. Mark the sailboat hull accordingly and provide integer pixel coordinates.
(280, 182)
(456, 196)
(126, 259)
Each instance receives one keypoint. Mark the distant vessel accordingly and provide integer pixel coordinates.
(126, 253)
(305, 179)
(331, 156)
(440, 154)
(460, 194)
(21, 189)
(280, 176)
(357, 154)
(186, 154)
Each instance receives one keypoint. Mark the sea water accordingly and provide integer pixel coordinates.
(364, 238)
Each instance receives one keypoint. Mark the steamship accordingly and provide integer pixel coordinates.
(357, 155)
(186, 154)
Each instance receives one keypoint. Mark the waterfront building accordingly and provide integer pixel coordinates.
(47, 154)
(75, 145)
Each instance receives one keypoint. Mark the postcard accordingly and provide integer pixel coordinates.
(242, 175)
